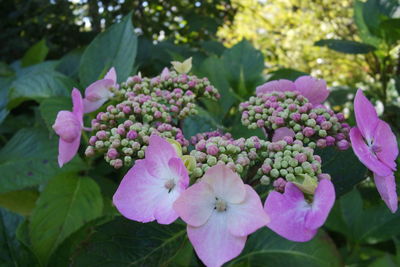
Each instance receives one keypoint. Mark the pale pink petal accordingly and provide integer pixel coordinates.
(179, 172)
(279, 86)
(77, 104)
(158, 154)
(386, 140)
(248, 216)
(165, 74)
(287, 213)
(280, 133)
(313, 89)
(164, 212)
(138, 194)
(91, 106)
(98, 92)
(67, 126)
(226, 184)
(196, 204)
(324, 198)
(213, 243)
(365, 114)
(386, 186)
(67, 150)
(111, 75)
(365, 155)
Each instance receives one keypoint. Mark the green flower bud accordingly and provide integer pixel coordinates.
(293, 162)
(299, 136)
(283, 172)
(140, 154)
(290, 177)
(265, 180)
(304, 117)
(274, 173)
(284, 164)
(124, 142)
(197, 172)
(211, 160)
(322, 133)
(127, 160)
(298, 170)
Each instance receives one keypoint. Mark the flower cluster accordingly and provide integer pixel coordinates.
(290, 110)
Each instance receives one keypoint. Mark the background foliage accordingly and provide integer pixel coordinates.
(64, 217)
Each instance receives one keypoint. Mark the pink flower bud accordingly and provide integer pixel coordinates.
(279, 184)
(308, 131)
(92, 140)
(301, 157)
(321, 143)
(112, 153)
(212, 150)
(101, 135)
(330, 141)
(343, 144)
(132, 135)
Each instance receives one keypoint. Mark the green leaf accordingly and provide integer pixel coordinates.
(375, 10)
(202, 122)
(66, 204)
(30, 158)
(51, 106)
(346, 46)
(390, 29)
(122, 242)
(339, 95)
(361, 223)
(5, 83)
(345, 173)
(285, 73)
(265, 247)
(363, 30)
(5, 70)
(12, 253)
(243, 65)
(116, 47)
(36, 54)
(21, 202)
(69, 64)
(38, 86)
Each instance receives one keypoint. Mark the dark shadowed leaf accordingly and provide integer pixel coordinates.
(21, 201)
(285, 73)
(66, 204)
(36, 54)
(51, 106)
(69, 64)
(346, 46)
(265, 248)
(116, 47)
(122, 242)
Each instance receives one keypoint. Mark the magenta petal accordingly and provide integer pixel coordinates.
(386, 186)
(248, 216)
(67, 150)
(196, 204)
(313, 89)
(279, 85)
(386, 140)
(288, 213)
(365, 155)
(138, 194)
(324, 198)
(225, 183)
(280, 133)
(365, 114)
(111, 75)
(213, 243)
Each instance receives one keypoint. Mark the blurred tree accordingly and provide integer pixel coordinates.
(285, 31)
(70, 24)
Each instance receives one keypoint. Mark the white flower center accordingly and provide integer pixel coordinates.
(220, 205)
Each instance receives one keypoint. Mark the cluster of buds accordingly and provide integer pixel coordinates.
(314, 126)
(290, 161)
(127, 142)
(207, 135)
(239, 155)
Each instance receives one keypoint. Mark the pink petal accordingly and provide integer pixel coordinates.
(386, 186)
(324, 198)
(67, 125)
(386, 140)
(67, 150)
(196, 204)
(97, 92)
(158, 154)
(279, 85)
(248, 216)
(365, 114)
(111, 75)
(313, 89)
(213, 243)
(165, 74)
(287, 213)
(365, 155)
(77, 104)
(225, 183)
(280, 133)
(138, 194)
(91, 106)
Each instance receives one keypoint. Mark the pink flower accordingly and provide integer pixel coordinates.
(313, 89)
(220, 211)
(99, 92)
(151, 186)
(376, 147)
(281, 133)
(68, 126)
(295, 218)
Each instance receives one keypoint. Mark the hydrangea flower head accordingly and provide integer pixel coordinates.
(293, 217)
(68, 127)
(376, 147)
(220, 211)
(99, 92)
(151, 186)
